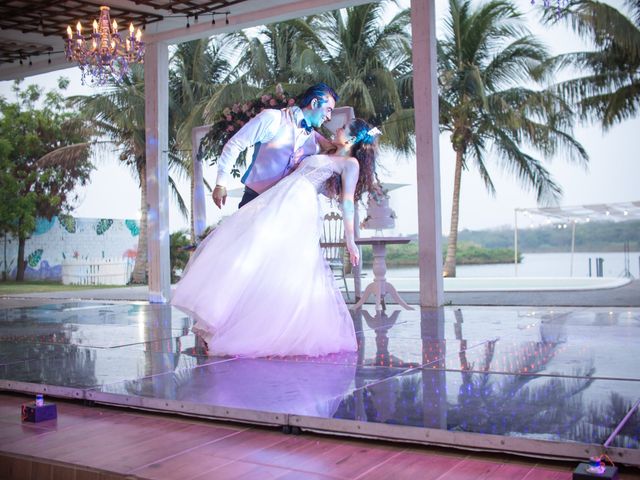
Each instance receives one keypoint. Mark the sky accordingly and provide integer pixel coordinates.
(612, 175)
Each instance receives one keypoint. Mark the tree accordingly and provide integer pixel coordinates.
(367, 55)
(609, 89)
(198, 69)
(118, 114)
(359, 51)
(178, 253)
(486, 59)
(33, 185)
(11, 203)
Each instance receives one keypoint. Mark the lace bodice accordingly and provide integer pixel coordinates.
(315, 168)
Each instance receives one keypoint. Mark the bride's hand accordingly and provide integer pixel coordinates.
(354, 253)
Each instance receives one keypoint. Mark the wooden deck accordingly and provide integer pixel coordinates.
(109, 443)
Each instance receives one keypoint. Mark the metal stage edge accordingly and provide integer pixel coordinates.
(546, 449)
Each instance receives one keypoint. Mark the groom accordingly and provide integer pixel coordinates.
(281, 138)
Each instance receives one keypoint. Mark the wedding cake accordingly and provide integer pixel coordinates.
(379, 214)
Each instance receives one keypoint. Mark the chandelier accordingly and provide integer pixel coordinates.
(105, 55)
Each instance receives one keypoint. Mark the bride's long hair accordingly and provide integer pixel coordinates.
(364, 149)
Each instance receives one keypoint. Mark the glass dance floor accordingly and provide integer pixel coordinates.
(561, 383)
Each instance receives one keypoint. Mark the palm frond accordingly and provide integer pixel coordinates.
(67, 156)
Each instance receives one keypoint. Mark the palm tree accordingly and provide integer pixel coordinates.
(198, 70)
(118, 114)
(274, 59)
(366, 54)
(277, 55)
(486, 59)
(356, 50)
(609, 91)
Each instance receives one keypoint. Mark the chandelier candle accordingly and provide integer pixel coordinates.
(105, 55)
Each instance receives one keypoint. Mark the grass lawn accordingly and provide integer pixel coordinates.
(12, 288)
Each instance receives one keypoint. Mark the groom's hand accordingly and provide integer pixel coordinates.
(219, 195)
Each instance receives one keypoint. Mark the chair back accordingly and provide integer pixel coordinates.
(333, 232)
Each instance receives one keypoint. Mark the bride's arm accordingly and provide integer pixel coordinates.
(349, 177)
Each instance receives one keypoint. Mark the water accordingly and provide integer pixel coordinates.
(543, 265)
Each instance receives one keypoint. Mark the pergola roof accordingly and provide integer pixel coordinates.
(33, 32)
(596, 212)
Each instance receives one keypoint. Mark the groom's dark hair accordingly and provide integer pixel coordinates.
(319, 91)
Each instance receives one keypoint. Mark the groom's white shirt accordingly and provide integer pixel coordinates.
(279, 144)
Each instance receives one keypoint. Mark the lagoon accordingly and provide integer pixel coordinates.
(543, 265)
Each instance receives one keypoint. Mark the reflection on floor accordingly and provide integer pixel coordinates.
(563, 376)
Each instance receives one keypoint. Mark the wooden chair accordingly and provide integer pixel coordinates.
(334, 249)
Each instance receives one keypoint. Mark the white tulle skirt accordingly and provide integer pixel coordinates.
(258, 284)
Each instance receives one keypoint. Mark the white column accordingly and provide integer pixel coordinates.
(156, 85)
(198, 200)
(425, 97)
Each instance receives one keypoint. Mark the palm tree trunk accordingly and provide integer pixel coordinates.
(194, 240)
(449, 269)
(140, 268)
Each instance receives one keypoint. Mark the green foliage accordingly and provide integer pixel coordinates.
(608, 87)
(361, 52)
(468, 253)
(366, 54)
(590, 237)
(178, 255)
(35, 125)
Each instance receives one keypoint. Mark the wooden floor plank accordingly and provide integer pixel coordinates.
(470, 469)
(161, 446)
(541, 473)
(186, 465)
(345, 459)
(245, 443)
(413, 465)
(240, 470)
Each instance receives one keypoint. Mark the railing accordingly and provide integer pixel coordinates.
(96, 271)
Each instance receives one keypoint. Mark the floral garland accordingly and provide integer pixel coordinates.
(232, 119)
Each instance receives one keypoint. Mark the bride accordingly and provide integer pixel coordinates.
(258, 285)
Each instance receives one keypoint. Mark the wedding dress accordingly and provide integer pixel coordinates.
(258, 285)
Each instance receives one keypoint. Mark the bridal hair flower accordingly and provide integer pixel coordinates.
(374, 132)
(367, 136)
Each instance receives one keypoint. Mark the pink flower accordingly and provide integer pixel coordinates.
(265, 98)
(245, 107)
(272, 102)
(240, 122)
(291, 102)
(235, 108)
(228, 118)
(230, 128)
